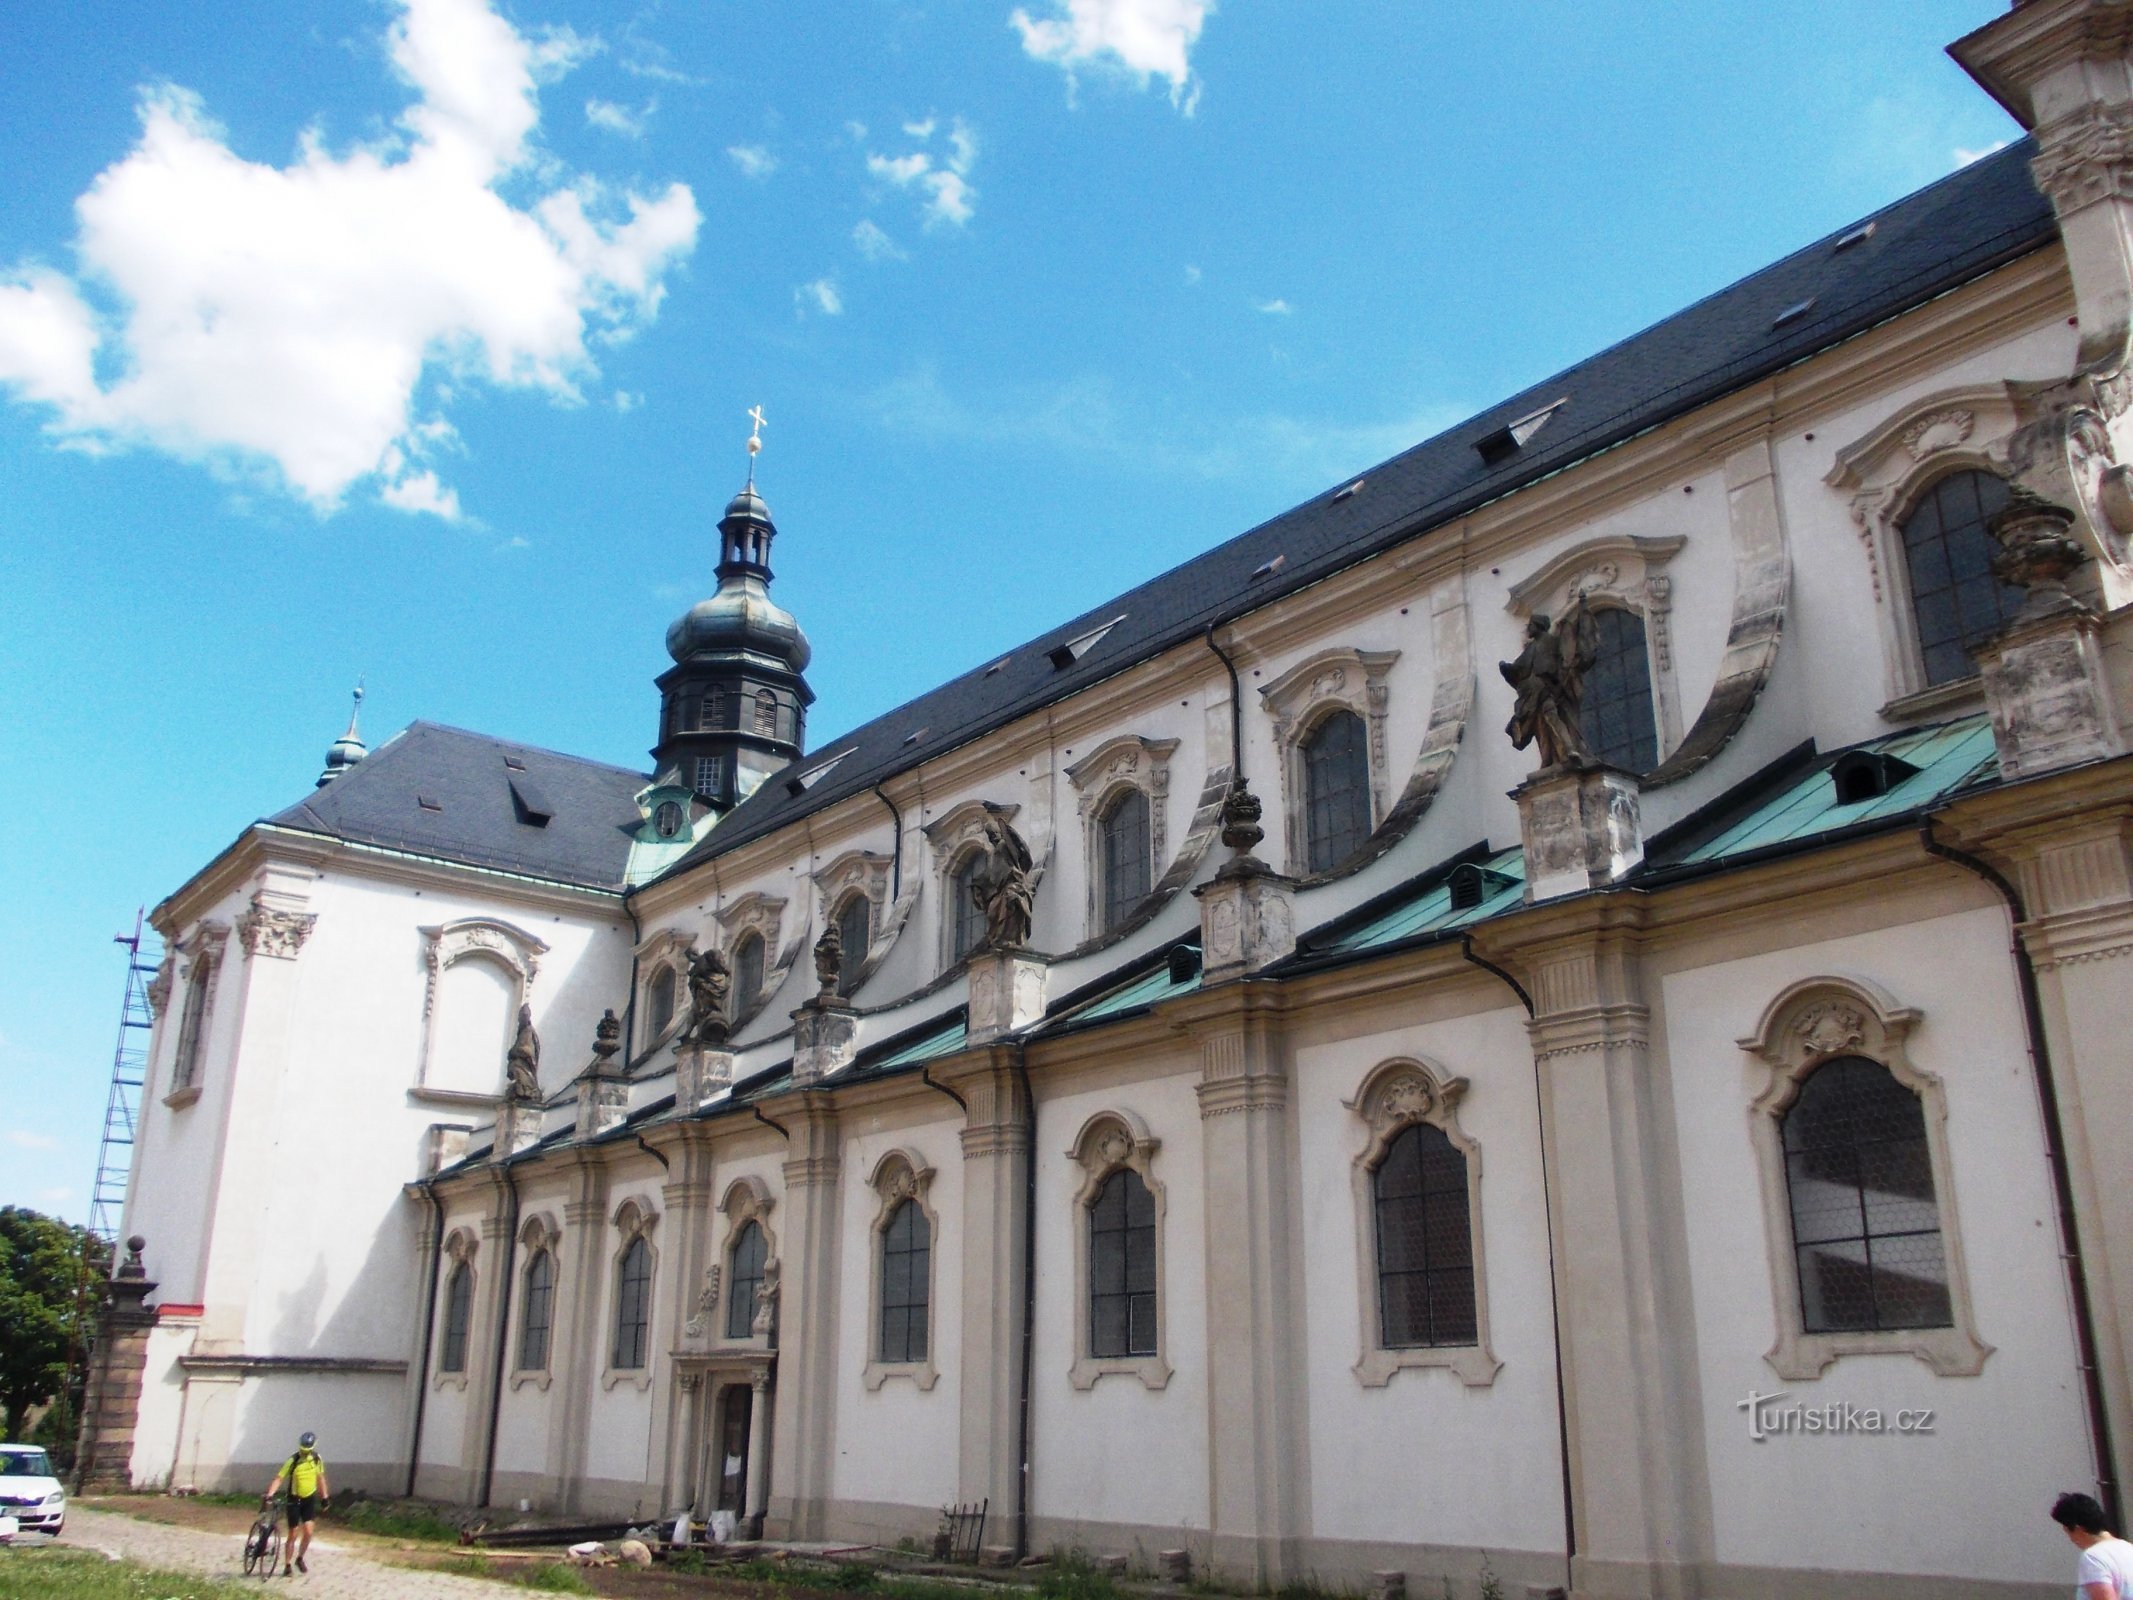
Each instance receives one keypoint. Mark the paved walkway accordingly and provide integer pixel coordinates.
(337, 1573)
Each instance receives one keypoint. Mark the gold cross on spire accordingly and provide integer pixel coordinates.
(755, 439)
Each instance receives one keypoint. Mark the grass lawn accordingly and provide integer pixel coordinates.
(51, 1573)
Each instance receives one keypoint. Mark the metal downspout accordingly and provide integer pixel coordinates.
(896, 851)
(1029, 1301)
(429, 1330)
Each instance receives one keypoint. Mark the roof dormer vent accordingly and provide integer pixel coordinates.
(1862, 775)
(1501, 445)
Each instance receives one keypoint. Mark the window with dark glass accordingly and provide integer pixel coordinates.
(906, 1283)
(744, 1277)
(458, 1312)
(1122, 833)
(1336, 791)
(766, 712)
(1122, 1268)
(1425, 1242)
(747, 971)
(185, 1063)
(633, 1306)
(667, 819)
(536, 1312)
(966, 927)
(1956, 602)
(1865, 1221)
(659, 1002)
(1616, 717)
(711, 710)
(710, 772)
(855, 930)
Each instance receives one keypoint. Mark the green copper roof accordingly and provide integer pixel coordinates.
(943, 1041)
(1432, 911)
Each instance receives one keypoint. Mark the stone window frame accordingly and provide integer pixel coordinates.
(668, 950)
(633, 1219)
(203, 952)
(1623, 572)
(539, 1235)
(460, 1247)
(1814, 1020)
(864, 873)
(764, 916)
(444, 946)
(747, 1199)
(1129, 761)
(1344, 678)
(902, 1175)
(1395, 1095)
(1114, 1140)
(952, 837)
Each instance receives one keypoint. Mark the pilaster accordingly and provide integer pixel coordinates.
(112, 1401)
(687, 1195)
(576, 1341)
(492, 1315)
(802, 1452)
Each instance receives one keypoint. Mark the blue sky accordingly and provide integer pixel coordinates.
(413, 342)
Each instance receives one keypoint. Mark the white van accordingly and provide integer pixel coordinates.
(29, 1494)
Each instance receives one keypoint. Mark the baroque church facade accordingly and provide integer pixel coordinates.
(1196, 1083)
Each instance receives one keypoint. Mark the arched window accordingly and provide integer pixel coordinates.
(744, 1277)
(1865, 1222)
(633, 1306)
(906, 1282)
(1122, 832)
(458, 1313)
(1617, 715)
(659, 1003)
(1425, 1242)
(966, 923)
(1956, 602)
(855, 931)
(1336, 791)
(1122, 1268)
(747, 972)
(766, 712)
(536, 1313)
(185, 1063)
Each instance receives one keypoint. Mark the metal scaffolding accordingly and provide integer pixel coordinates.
(129, 1065)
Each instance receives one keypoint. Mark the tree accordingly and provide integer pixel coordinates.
(51, 1286)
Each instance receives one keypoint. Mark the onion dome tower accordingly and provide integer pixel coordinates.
(733, 707)
(348, 749)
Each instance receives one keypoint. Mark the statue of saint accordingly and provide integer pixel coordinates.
(829, 961)
(522, 1063)
(709, 980)
(1001, 885)
(766, 1299)
(1549, 676)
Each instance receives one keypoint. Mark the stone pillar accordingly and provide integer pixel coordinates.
(1247, 919)
(825, 1038)
(104, 1457)
(701, 1074)
(1258, 1454)
(756, 1500)
(1007, 992)
(687, 1196)
(1580, 827)
(577, 1339)
(603, 1087)
(807, 1313)
(518, 1129)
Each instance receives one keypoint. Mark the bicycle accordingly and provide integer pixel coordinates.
(262, 1546)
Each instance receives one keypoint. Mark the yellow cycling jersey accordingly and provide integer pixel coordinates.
(301, 1472)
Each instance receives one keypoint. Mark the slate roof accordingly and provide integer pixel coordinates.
(484, 811)
(1969, 223)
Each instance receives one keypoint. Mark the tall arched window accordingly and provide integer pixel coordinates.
(855, 931)
(633, 1306)
(1617, 716)
(1336, 791)
(966, 924)
(1122, 1268)
(1865, 1221)
(744, 1278)
(906, 1283)
(185, 1063)
(659, 1002)
(1956, 602)
(536, 1313)
(1122, 833)
(766, 712)
(1425, 1242)
(458, 1313)
(747, 972)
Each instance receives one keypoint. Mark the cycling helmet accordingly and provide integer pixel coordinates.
(308, 1440)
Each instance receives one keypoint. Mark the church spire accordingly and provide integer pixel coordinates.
(349, 748)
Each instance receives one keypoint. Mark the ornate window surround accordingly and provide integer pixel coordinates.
(1128, 761)
(201, 967)
(1808, 1023)
(1110, 1141)
(951, 837)
(634, 1219)
(861, 872)
(899, 1176)
(668, 950)
(764, 916)
(447, 944)
(747, 1199)
(1626, 571)
(1394, 1096)
(1341, 679)
(460, 1247)
(539, 1235)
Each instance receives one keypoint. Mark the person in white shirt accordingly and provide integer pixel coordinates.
(2106, 1570)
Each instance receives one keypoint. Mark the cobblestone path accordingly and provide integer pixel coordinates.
(336, 1572)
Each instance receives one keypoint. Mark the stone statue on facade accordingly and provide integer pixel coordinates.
(522, 1062)
(710, 980)
(829, 961)
(1003, 885)
(1549, 676)
(766, 1299)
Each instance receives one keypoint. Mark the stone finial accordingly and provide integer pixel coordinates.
(829, 961)
(607, 1038)
(1240, 818)
(132, 1267)
(2038, 552)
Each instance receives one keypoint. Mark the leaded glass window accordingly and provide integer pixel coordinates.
(710, 773)
(1122, 832)
(1865, 1220)
(744, 1277)
(536, 1313)
(1122, 1268)
(458, 1313)
(1425, 1241)
(1336, 791)
(855, 930)
(747, 971)
(659, 1002)
(906, 1283)
(966, 927)
(633, 1306)
(1616, 717)
(1956, 602)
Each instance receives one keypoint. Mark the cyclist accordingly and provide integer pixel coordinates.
(305, 1473)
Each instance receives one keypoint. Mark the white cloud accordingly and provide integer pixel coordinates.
(54, 1197)
(875, 244)
(1273, 308)
(921, 131)
(23, 1139)
(822, 295)
(1963, 157)
(1192, 273)
(295, 318)
(625, 401)
(944, 184)
(754, 160)
(1141, 38)
(858, 131)
(614, 118)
